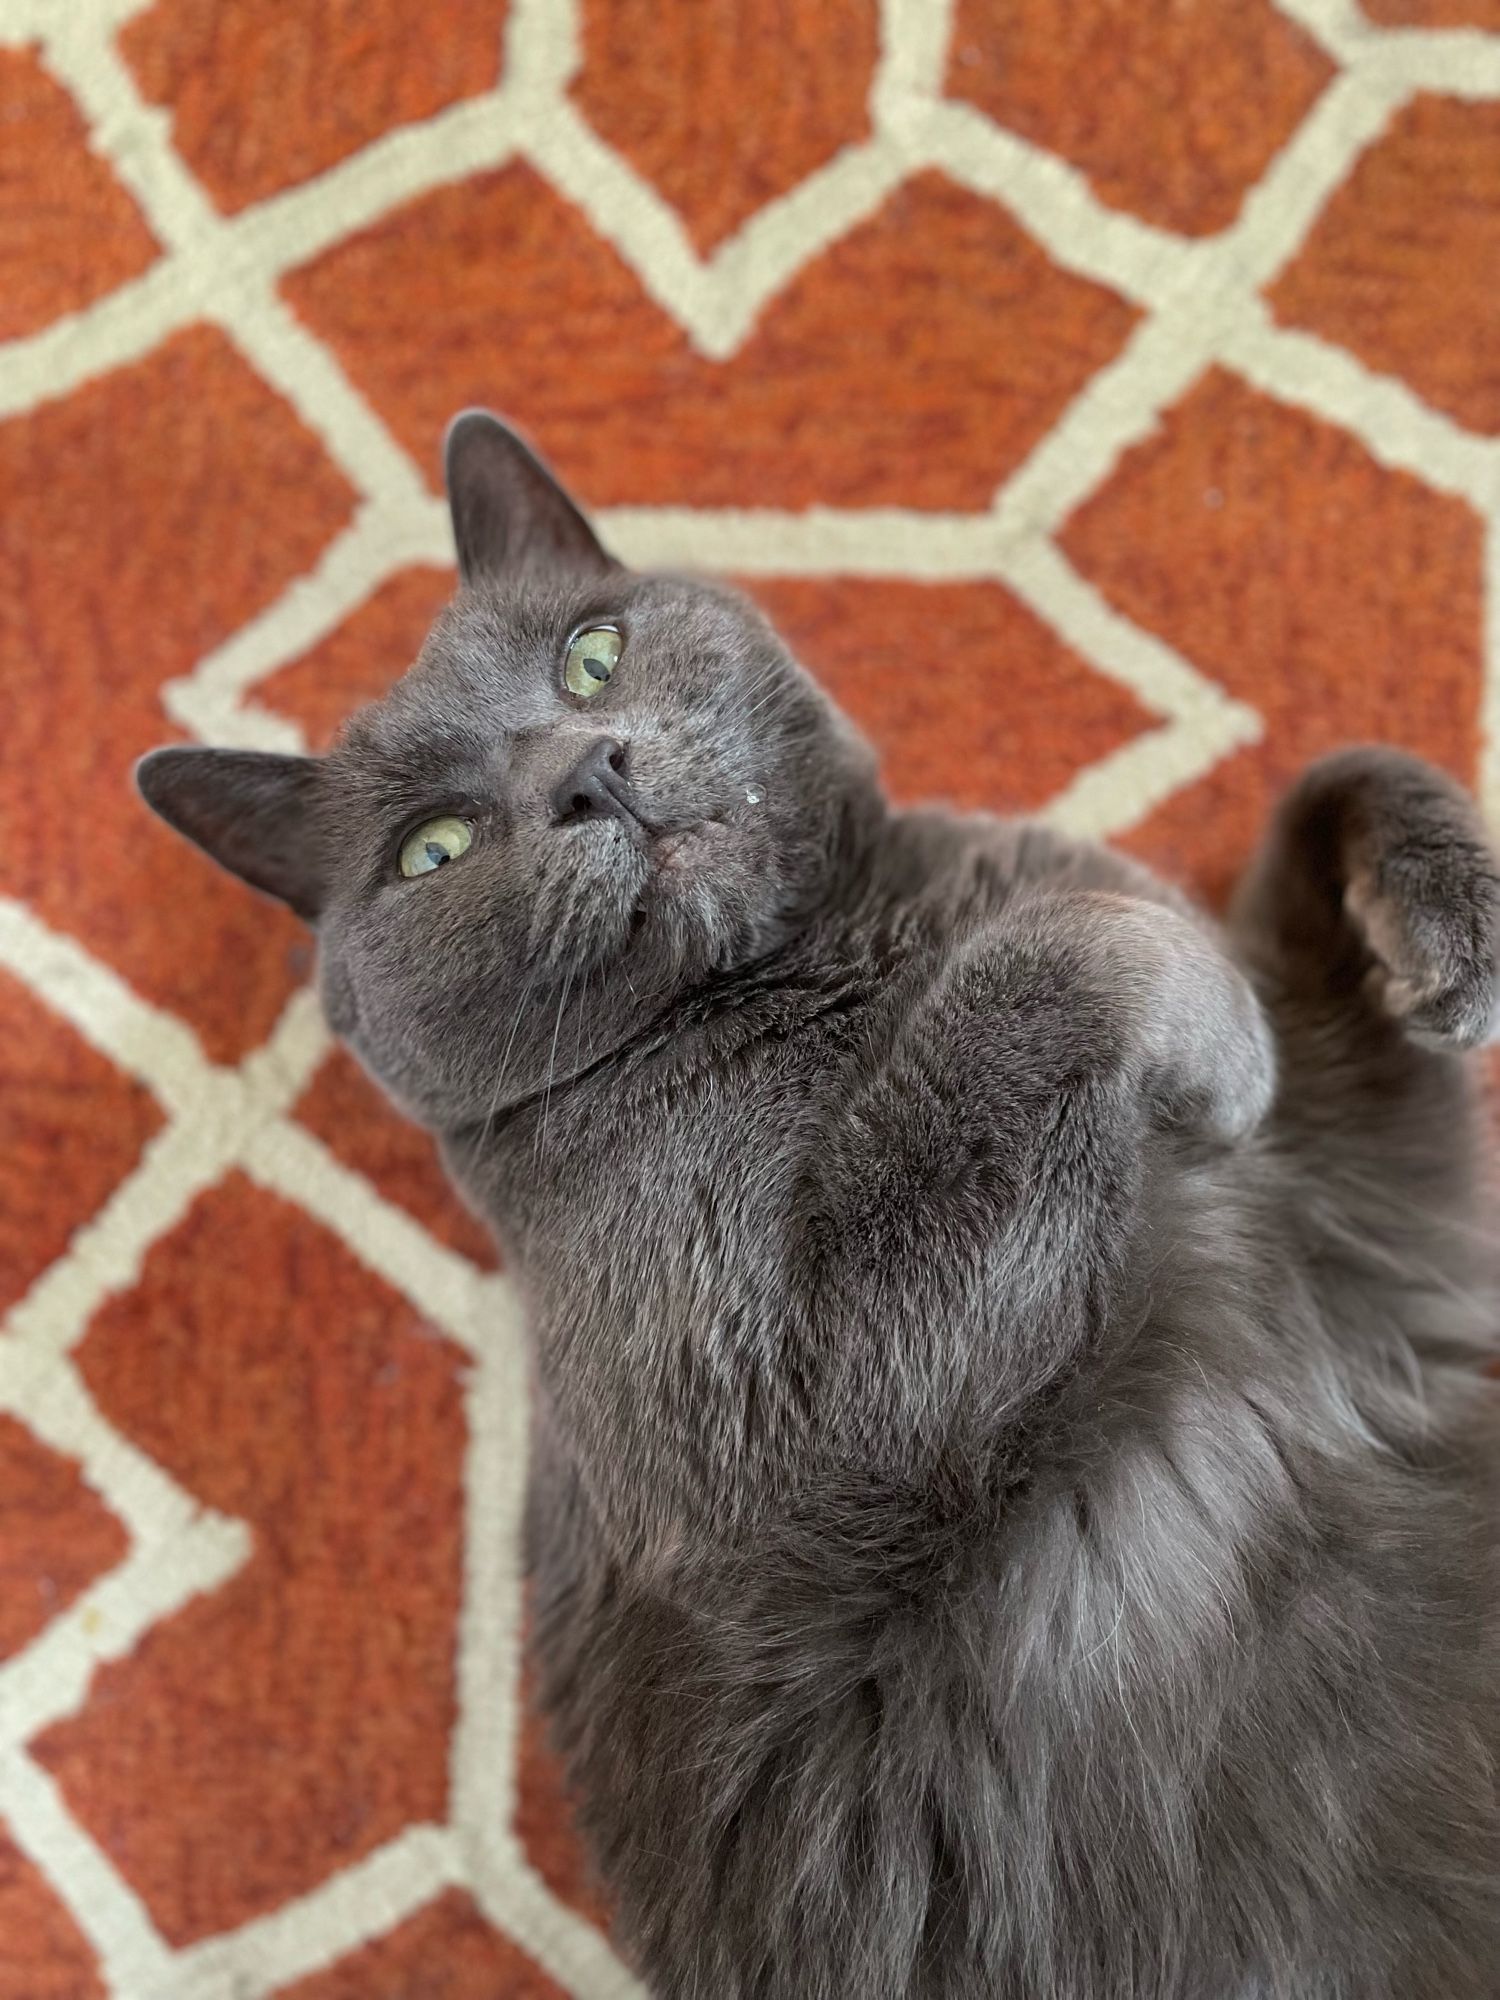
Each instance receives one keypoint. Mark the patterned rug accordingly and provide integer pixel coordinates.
(1105, 397)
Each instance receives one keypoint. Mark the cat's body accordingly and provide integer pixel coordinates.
(1014, 1508)
(1006, 1721)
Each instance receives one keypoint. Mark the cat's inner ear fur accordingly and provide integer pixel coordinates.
(253, 812)
(508, 511)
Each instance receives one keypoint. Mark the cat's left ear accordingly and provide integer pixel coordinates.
(253, 812)
(509, 512)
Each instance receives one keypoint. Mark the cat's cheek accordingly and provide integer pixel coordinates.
(338, 1000)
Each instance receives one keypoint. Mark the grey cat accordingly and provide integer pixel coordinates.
(1014, 1498)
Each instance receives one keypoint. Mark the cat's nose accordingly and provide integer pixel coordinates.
(597, 787)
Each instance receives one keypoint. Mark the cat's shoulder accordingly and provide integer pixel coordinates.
(964, 868)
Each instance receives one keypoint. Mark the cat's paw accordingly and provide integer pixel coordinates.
(1422, 892)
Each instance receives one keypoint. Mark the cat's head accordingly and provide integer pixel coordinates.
(593, 789)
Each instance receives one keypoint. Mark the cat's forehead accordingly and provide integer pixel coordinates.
(486, 651)
(492, 628)
(508, 625)
(489, 663)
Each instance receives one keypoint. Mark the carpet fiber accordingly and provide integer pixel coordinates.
(1103, 395)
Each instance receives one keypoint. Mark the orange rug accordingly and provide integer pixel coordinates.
(1105, 397)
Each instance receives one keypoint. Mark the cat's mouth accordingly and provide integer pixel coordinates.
(676, 857)
(672, 848)
(630, 881)
(683, 864)
(675, 850)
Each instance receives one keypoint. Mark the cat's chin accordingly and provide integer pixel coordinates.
(661, 869)
(680, 894)
(663, 903)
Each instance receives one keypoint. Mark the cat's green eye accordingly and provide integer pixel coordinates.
(591, 658)
(439, 841)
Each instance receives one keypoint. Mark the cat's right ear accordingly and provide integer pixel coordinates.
(253, 812)
(508, 510)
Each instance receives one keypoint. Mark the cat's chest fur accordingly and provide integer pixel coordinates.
(659, 1211)
(653, 1229)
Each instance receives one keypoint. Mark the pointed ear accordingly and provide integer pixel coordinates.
(508, 510)
(253, 813)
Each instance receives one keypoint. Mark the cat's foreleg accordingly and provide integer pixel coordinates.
(1378, 890)
(992, 1153)
(1370, 921)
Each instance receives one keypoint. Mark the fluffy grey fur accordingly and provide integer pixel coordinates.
(1014, 1499)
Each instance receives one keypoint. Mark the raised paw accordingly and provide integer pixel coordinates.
(1382, 849)
(1426, 907)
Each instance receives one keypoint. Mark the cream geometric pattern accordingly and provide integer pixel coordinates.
(1200, 300)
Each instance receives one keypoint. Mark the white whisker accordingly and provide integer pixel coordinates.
(551, 1067)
